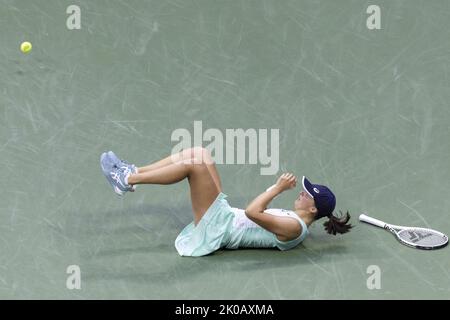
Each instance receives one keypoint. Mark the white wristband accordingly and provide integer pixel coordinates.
(270, 188)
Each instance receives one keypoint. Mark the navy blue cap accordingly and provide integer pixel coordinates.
(324, 199)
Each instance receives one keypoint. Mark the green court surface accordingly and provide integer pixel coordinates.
(365, 112)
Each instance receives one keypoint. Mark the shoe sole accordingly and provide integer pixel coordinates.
(106, 172)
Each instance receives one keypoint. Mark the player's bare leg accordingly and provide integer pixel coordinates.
(195, 164)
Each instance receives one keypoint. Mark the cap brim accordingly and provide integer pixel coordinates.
(307, 186)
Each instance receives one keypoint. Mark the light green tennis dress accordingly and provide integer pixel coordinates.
(225, 227)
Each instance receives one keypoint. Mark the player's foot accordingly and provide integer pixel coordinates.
(119, 178)
(107, 166)
(120, 163)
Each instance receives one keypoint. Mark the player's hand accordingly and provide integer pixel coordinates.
(286, 181)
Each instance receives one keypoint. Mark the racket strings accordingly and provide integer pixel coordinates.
(420, 237)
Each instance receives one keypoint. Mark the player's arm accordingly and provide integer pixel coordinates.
(281, 226)
(278, 225)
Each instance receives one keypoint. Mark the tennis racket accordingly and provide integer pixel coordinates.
(420, 238)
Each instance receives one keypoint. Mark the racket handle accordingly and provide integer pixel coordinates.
(371, 220)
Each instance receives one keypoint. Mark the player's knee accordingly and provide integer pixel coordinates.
(192, 155)
(198, 169)
(207, 158)
(196, 155)
(202, 156)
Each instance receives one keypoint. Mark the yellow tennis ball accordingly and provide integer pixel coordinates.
(25, 47)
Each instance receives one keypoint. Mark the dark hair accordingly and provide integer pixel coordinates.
(338, 224)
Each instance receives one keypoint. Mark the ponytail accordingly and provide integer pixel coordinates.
(338, 224)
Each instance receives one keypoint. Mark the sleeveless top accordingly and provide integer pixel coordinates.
(247, 234)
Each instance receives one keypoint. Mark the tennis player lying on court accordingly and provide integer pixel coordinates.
(218, 225)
